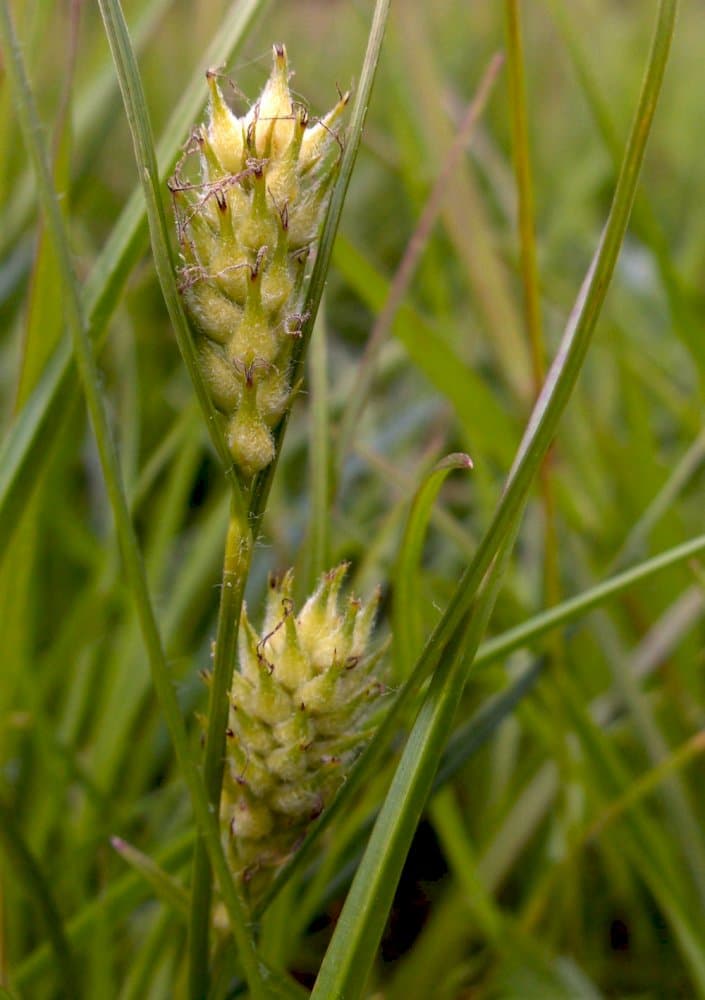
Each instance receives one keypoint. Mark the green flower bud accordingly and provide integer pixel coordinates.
(246, 223)
(300, 713)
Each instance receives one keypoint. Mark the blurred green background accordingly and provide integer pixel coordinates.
(515, 889)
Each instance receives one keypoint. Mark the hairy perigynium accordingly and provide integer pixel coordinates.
(247, 224)
(302, 706)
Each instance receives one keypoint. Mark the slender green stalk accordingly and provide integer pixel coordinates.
(318, 537)
(406, 631)
(134, 569)
(522, 635)
(525, 191)
(236, 566)
(530, 272)
(165, 886)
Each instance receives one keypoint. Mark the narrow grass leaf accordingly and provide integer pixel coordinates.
(165, 887)
(522, 635)
(406, 622)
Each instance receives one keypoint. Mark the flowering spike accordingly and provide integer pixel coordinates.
(246, 225)
(299, 717)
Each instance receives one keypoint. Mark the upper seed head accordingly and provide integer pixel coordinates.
(245, 224)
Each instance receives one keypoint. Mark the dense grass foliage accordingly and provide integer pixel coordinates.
(544, 835)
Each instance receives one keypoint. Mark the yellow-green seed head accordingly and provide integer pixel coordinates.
(300, 712)
(249, 196)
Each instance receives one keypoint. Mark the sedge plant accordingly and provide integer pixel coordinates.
(551, 769)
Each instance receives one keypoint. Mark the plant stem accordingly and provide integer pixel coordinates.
(530, 275)
(236, 566)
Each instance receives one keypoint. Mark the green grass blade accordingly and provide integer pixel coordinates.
(575, 607)
(317, 550)
(164, 885)
(236, 566)
(406, 625)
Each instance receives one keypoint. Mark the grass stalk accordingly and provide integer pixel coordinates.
(236, 565)
(318, 542)
(529, 271)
